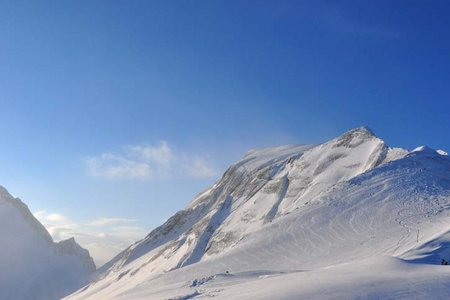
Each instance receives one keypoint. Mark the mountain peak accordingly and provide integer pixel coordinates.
(71, 247)
(361, 131)
(27, 248)
(354, 137)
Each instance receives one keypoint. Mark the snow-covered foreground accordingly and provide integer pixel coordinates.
(350, 218)
(32, 265)
(375, 278)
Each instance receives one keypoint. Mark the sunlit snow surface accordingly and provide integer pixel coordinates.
(350, 218)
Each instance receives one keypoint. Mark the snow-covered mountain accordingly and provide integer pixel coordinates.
(345, 219)
(32, 265)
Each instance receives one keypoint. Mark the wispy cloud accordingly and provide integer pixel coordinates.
(103, 237)
(149, 162)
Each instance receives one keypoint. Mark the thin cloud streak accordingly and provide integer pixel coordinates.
(110, 221)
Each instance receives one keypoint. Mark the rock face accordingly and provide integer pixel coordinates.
(33, 266)
(291, 208)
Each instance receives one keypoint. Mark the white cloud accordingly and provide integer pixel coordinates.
(112, 166)
(160, 155)
(147, 162)
(103, 237)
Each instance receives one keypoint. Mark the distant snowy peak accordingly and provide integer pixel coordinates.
(71, 247)
(33, 260)
(7, 199)
(64, 247)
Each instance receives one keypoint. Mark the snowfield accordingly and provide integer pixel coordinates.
(348, 219)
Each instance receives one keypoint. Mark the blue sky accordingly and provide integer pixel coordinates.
(114, 114)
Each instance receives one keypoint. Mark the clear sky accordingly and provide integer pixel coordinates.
(114, 114)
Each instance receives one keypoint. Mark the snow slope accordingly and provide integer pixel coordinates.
(286, 222)
(33, 266)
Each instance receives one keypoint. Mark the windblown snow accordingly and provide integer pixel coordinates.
(351, 218)
(32, 265)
